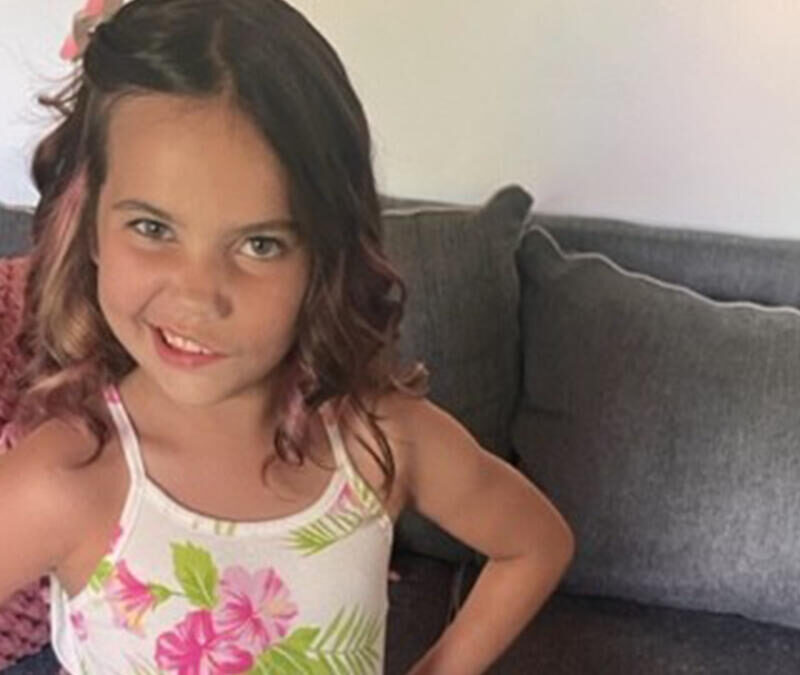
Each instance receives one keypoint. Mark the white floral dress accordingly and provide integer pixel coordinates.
(181, 593)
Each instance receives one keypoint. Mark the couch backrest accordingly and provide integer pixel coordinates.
(720, 266)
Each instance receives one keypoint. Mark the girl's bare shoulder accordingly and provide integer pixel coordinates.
(55, 446)
(77, 476)
(395, 415)
(45, 502)
(58, 453)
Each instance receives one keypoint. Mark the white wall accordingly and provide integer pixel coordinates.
(675, 112)
(31, 32)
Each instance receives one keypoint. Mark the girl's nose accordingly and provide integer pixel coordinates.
(200, 290)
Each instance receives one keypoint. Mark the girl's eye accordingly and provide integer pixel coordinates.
(151, 228)
(266, 247)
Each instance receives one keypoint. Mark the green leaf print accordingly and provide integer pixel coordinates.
(196, 573)
(339, 522)
(346, 647)
(325, 531)
(101, 573)
(160, 593)
(366, 495)
(290, 657)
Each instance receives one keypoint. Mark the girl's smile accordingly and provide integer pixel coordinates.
(182, 341)
(177, 355)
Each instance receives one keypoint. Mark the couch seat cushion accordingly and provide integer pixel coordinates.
(583, 635)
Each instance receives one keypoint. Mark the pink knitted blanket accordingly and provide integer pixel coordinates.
(24, 625)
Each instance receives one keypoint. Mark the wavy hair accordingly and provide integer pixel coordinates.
(272, 65)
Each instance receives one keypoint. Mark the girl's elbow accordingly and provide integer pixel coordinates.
(569, 545)
(563, 545)
(554, 550)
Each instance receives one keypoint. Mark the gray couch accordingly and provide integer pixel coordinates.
(648, 380)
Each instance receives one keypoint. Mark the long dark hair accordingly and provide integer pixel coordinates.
(272, 65)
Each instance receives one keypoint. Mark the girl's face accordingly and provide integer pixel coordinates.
(194, 235)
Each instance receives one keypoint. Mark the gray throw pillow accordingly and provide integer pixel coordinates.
(666, 428)
(461, 321)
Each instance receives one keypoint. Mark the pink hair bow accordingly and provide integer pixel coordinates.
(84, 23)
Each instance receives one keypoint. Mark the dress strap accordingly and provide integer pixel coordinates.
(127, 435)
(369, 501)
(334, 434)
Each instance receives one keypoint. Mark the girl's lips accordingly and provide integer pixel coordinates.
(180, 358)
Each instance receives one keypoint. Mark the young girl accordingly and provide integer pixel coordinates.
(215, 438)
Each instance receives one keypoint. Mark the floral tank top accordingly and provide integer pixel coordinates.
(182, 593)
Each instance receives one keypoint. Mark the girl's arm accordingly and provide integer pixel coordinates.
(491, 506)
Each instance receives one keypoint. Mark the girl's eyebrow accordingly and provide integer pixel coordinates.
(138, 205)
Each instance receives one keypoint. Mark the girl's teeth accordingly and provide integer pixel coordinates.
(183, 344)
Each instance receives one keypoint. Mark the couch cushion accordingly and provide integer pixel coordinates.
(583, 635)
(665, 427)
(461, 320)
(719, 265)
(15, 230)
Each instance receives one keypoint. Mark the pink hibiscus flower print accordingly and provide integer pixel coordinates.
(254, 608)
(78, 621)
(129, 598)
(194, 647)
